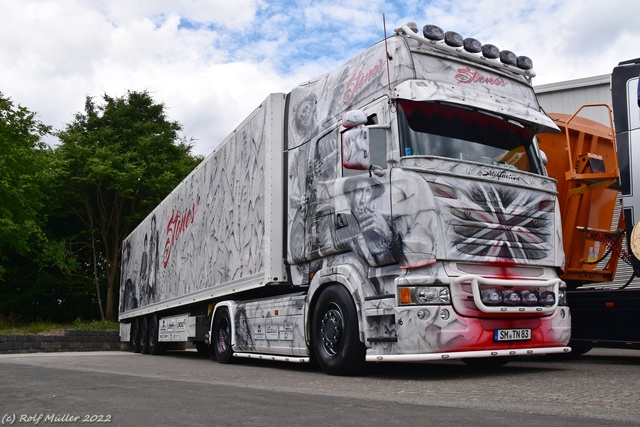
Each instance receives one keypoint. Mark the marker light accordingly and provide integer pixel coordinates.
(472, 45)
(433, 32)
(453, 39)
(405, 295)
(524, 63)
(507, 57)
(490, 51)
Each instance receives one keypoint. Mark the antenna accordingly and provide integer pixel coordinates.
(386, 50)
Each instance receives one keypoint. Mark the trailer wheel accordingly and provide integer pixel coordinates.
(144, 335)
(221, 336)
(134, 336)
(334, 335)
(154, 346)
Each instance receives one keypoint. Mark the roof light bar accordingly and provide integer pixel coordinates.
(433, 32)
(508, 57)
(468, 47)
(490, 51)
(453, 39)
(525, 63)
(472, 45)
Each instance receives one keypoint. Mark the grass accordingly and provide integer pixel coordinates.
(42, 327)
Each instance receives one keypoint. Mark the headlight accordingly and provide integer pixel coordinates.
(434, 295)
(562, 297)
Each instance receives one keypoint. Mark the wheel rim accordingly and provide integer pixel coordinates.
(332, 329)
(224, 334)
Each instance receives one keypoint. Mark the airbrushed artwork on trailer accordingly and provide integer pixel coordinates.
(206, 232)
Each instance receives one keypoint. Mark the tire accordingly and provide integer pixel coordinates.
(144, 335)
(334, 335)
(134, 336)
(487, 363)
(203, 349)
(221, 336)
(579, 348)
(154, 346)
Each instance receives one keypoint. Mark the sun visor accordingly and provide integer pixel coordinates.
(522, 108)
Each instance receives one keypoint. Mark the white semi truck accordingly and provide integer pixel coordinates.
(395, 209)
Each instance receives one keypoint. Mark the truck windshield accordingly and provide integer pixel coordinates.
(457, 132)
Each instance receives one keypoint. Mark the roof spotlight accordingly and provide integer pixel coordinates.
(453, 39)
(507, 57)
(472, 45)
(490, 51)
(524, 63)
(433, 32)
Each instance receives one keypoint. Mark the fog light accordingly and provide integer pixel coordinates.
(530, 297)
(444, 314)
(547, 298)
(511, 297)
(423, 314)
(490, 297)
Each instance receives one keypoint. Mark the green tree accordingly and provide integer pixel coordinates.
(122, 157)
(28, 193)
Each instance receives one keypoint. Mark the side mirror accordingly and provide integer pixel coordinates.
(544, 158)
(353, 118)
(355, 148)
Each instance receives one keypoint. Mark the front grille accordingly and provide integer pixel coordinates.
(503, 224)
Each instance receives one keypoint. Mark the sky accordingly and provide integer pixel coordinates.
(212, 62)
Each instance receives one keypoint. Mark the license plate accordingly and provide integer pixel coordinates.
(512, 334)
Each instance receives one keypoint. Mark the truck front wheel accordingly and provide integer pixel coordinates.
(221, 336)
(334, 335)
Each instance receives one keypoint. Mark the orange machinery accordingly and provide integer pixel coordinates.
(584, 161)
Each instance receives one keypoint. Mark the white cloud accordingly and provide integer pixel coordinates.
(211, 62)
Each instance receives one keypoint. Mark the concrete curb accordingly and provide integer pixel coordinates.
(70, 340)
